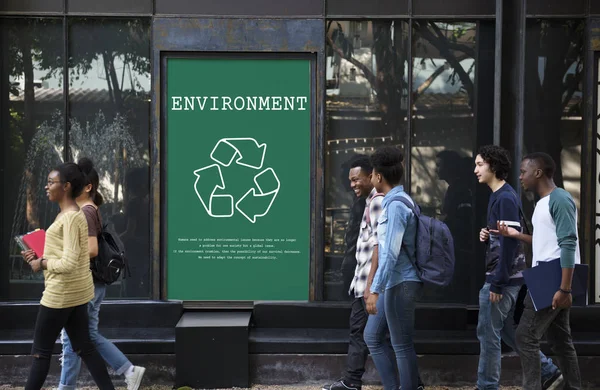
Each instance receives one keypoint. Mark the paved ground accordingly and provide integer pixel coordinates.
(286, 387)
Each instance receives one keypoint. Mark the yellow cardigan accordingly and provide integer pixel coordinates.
(68, 279)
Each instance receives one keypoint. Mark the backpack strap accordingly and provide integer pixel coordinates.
(412, 207)
(417, 214)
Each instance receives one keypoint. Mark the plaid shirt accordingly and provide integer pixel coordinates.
(367, 239)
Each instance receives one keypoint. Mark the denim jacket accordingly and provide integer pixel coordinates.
(397, 231)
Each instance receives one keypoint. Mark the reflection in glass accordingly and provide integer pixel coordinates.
(443, 142)
(553, 98)
(109, 99)
(367, 94)
(32, 130)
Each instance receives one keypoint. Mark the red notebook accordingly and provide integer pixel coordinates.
(36, 240)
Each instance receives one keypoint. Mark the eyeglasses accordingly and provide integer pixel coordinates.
(50, 182)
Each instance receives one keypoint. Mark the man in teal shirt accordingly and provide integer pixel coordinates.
(554, 236)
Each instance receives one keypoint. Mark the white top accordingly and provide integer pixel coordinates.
(551, 208)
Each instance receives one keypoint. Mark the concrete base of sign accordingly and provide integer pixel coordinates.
(211, 350)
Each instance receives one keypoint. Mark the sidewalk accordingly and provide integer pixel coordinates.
(286, 387)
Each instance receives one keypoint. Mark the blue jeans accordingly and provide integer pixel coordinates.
(496, 323)
(71, 362)
(398, 315)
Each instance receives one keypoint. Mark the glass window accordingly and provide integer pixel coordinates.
(444, 139)
(32, 127)
(109, 100)
(553, 98)
(367, 98)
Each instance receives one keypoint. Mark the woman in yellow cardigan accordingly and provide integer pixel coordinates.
(68, 282)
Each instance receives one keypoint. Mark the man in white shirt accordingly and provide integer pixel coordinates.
(554, 236)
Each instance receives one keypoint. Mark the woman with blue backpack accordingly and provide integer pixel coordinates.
(396, 281)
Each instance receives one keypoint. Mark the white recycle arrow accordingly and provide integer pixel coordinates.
(260, 195)
(219, 186)
(230, 148)
(254, 203)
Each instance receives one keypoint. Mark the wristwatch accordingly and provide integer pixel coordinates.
(565, 291)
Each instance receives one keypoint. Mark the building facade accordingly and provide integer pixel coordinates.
(436, 78)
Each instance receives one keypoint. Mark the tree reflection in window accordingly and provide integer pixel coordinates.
(367, 101)
(553, 97)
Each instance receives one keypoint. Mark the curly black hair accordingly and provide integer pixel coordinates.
(387, 161)
(498, 158)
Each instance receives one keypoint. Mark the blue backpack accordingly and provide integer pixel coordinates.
(435, 248)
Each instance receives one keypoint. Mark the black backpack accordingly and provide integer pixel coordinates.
(110, 262)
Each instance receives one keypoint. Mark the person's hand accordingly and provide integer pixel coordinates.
(561, 300)
(36, 265)
(495, 298)
(506, 231)
(367, 294)
(28, 255)
(484, 234)
(372, 303)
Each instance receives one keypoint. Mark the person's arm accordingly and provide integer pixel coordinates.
(372, 271)
(397, 220)
(91, 216)
(505, 209)
(508, 231)
(93, 246)
(563, 211)
(71, 248)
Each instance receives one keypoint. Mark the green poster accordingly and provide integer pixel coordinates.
(238, 137)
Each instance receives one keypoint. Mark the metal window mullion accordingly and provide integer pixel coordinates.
(409, 121)
(66, 154)
(498, 71)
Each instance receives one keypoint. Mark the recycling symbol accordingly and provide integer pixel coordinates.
(212, 190)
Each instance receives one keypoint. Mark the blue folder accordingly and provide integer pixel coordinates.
(544, 280)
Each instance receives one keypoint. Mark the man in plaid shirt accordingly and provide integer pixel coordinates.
(366, 259)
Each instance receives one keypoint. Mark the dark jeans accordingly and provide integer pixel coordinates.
(357, 350)
(47, 328)
(555, 324)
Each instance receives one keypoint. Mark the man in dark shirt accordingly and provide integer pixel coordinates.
(505, 260)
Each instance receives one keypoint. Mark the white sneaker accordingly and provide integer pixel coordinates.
(134, 379)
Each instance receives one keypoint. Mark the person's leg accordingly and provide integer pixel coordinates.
(549, 369)
(77, 328)
(47, 328)
(483, 335)
(109, 352)
(71, 364)
(492, 320)
(400, 305)
(357, 348)
(561, 342)
(531, 329)
(376, 339)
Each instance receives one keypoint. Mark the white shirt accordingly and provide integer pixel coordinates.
(545, 236)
